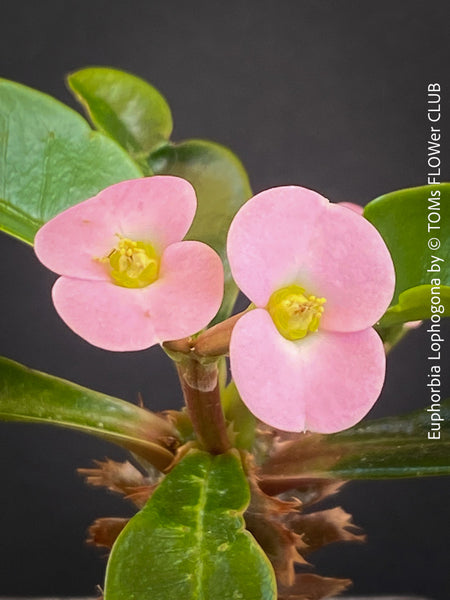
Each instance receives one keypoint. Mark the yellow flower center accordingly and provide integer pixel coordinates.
(294, 313)
(133, 264)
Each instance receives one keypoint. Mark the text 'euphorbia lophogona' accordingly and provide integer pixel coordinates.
(128, 281)
(320, 275)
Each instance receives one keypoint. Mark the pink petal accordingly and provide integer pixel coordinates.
(104, 314)
(291, 235)
(182, 301)
(326, 382)
(157, 209)
(352, 206)
(352, 269)
(189, 291)
(268, 239)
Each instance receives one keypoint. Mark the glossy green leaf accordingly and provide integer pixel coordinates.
(403, 218)
(381, 449)
(50, 159)
(189, 541)
(123, 106)
(31, 396)
(222, 187)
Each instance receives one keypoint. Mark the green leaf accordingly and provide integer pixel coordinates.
(189, 541)
(123, 106)
(386, 448)
(50, 159)
(31, 396)
(222, 187)
(402, 218)
(415, 305)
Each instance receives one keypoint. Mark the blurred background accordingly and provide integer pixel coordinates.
(328, 95)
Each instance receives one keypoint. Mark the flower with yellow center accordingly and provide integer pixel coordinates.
(300, 363)
(294, 313)
(133, 264)
(128, 279)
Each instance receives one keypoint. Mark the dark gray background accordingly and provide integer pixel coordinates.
(329, 95)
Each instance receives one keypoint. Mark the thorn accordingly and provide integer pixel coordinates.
(99, 591)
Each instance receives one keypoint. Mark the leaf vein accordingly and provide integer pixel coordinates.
(200, 536)
(45, 178)
(5, 143)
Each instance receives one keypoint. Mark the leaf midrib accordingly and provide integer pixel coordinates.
(101, 431)
(199, 536)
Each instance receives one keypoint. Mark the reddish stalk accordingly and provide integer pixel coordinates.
(200, 386)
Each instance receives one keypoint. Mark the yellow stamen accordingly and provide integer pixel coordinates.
(133, 264)
(294, 313)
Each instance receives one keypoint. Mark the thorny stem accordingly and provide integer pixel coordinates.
(200, 386)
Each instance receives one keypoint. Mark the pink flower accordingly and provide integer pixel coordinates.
(128, 281)
(320, 275)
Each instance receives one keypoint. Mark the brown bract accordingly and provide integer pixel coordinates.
(308, 586)
(276, 520)
(121, 478)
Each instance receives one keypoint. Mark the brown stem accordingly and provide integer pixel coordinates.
(199, 383)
